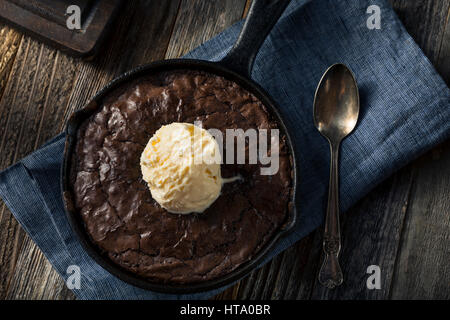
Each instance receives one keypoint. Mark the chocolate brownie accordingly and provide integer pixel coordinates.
(117, 208)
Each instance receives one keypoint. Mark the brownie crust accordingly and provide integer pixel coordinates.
(117, 208)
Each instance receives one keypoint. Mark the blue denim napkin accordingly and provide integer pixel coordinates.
(405, 110)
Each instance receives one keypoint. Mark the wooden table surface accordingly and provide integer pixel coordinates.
(402, 226)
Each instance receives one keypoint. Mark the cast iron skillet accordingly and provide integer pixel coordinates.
(236, 66)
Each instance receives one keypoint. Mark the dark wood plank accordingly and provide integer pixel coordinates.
(422, 270)
(26, 96)
(442, 63)
(40, 281)
(279, 279)
(38, 71)
(32, 121)
(9, 44)
(299, 263)
(12, 119)
(371, 236)
(200, 20)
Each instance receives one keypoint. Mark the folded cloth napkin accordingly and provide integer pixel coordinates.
(404, 111)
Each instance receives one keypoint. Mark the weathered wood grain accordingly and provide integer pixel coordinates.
(35, 278)
(38, 68)
(64, 74)
(26, 96)
(278, 279)
(199, 21)
(371, 236)
(12, 237)
(442, 63)
(422, 269)
(9, 44)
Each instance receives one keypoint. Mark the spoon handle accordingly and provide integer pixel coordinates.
(330, 274)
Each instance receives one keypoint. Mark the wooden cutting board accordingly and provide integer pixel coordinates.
(46, 20)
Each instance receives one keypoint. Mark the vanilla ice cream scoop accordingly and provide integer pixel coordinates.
(181, 165)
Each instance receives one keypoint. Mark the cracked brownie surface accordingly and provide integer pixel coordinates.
(117, 208)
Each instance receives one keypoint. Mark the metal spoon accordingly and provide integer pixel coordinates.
(336, 108)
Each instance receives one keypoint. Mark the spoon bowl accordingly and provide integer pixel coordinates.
(336, 103)
(336, 109)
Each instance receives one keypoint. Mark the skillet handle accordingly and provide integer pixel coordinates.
(262, 16)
